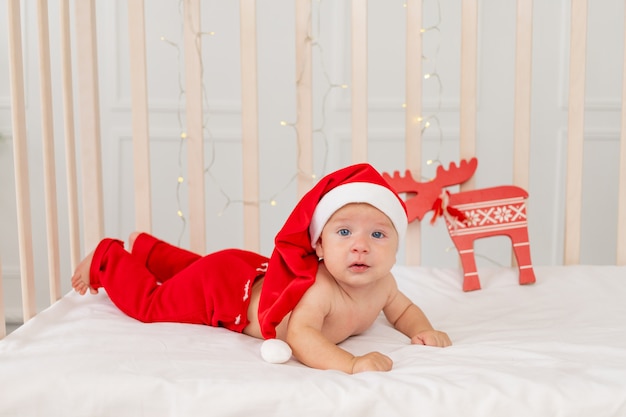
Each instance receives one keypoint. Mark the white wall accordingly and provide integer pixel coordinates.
(278, 145)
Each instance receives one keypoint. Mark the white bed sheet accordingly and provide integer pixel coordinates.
(555, 348)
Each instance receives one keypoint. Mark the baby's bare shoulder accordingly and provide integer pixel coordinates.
(322, 288)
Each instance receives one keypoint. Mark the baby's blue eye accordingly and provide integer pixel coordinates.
(344, 232)
(378, 235)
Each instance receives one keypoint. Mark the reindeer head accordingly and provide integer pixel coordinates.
(421, 196)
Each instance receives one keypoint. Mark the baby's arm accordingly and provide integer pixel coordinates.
(411, 320)
(311, 347)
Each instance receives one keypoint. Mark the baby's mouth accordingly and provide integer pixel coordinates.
(358, 267)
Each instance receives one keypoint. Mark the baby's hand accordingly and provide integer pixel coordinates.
(431, 338)
(373, 361)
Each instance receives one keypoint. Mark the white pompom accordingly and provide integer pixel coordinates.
(275, 351)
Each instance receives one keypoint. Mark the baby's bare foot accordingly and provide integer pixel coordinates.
(80, 279)
(131, 240)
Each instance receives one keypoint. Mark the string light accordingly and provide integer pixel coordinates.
(320, 131)
(206, 132)
(432, 121)
(330, 86)
(180, 180)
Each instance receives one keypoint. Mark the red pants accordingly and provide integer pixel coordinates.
(161, 282)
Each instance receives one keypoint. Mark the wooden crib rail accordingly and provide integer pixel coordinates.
(22, 190)
(621, 204)
(576, 119)
(140, 123)
(84, 88)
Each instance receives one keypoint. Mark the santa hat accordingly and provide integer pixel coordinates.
(293, 264)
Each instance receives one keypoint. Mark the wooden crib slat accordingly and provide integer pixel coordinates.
(47, 135)
(3, 320)
(621, 204)
(20, 152)
(304, 95)
(70, 136)
(523, 88)
(89, 114)
(195, 140)
(139, 97)
(469, 79)
(576, 115)
(621, 211)
(359, 81)
(413, 114)
(249, 126)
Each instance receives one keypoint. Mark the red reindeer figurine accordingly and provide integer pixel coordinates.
(470, 215)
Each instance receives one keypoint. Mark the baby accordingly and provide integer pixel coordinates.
(328, 278)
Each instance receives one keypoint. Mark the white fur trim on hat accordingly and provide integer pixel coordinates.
(376, 195)
(275, 351)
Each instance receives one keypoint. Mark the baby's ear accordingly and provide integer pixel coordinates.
(319, 251)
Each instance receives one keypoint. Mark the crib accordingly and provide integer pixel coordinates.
(555, 347)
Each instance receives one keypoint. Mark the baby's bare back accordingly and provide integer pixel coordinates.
(254, 328)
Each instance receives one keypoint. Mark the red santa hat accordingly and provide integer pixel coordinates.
(293, 264)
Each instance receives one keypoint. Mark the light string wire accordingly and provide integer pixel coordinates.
(330, 85)
(292, 125)
(432, 121)
(181, 140)
(183, 134)
(313, 37)
(320, 131)
(206, 131)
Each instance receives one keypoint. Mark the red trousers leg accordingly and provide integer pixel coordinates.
(162, 259)
(212, 290)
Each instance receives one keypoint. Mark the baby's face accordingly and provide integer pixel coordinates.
(358, 244)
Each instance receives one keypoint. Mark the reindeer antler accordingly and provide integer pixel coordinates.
(402, 184)
(406, 184)
(456, 175)
(422, 196)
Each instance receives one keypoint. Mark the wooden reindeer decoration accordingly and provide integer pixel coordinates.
(470, 215)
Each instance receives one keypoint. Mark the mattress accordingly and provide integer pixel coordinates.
(554, 348)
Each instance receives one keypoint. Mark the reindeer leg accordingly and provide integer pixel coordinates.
(465, 246)
(521, 248)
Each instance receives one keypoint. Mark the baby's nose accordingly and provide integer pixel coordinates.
(360, 245)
